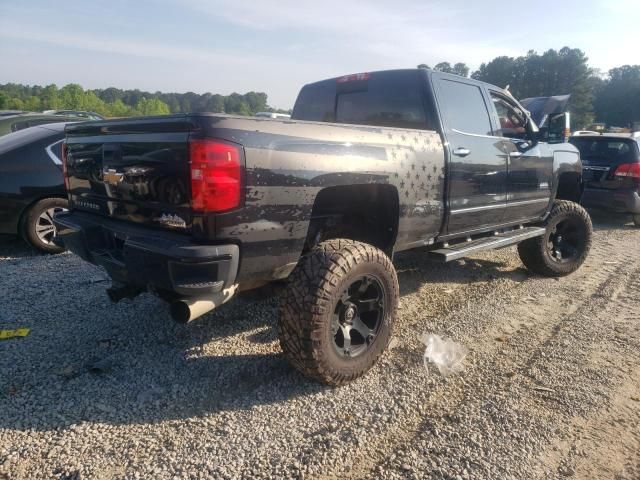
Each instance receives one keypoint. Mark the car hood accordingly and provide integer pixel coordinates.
(541, 107)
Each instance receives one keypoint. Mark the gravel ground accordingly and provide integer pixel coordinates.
(551, 387)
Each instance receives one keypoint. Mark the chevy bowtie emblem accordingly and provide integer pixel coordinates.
(112, 177)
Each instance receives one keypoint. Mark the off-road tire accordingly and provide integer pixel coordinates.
(636, 220)
(30, 220)
(309, 300)
(535, 253)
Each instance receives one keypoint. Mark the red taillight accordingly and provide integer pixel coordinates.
(64, 166)
(354, 77)
(628, 170)
(216, 175)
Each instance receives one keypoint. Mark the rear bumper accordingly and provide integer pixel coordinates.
(147, 259)
(621, 201)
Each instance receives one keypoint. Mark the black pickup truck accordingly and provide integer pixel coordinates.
(198, 207)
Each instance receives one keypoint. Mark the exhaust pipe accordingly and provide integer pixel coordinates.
(117, 292)
(188, 309)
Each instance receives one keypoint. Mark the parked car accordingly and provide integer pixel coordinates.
(197, 207)
(76, 113)
(578, 133)
(31, 184)
(272, 115)
(13, 123)
(611, 172)
(6, 113)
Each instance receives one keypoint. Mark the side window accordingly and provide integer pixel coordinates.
(464, 108)
(513, 121)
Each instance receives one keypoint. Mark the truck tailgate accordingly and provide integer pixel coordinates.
(134, 169)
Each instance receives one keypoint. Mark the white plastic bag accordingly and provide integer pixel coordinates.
(447, 355)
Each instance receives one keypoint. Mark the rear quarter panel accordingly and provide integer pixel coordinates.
(289, 162)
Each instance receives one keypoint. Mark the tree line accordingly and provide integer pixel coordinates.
(612, 97)
(115, 102)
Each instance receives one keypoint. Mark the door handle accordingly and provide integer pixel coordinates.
(461, 152)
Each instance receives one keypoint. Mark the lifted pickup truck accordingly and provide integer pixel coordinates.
(197, 207)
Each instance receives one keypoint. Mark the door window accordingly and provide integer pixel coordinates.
(464, 108)
(513, 121)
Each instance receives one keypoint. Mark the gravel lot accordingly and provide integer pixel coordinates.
(551, 387)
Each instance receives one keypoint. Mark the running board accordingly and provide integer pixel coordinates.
(499, 240)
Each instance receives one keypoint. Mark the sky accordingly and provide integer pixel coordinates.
(276, 46)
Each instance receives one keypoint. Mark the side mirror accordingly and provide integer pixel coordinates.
(533, 133)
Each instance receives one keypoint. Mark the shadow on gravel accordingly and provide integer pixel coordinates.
(604, 220)
(130, 364)
(415, 269)
(89, 361)
(14, 247)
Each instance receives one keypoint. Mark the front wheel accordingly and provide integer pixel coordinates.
(337, 311)
(565, 244)
(37, 226)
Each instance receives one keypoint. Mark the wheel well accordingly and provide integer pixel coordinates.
(26, 209)
(570, 187)
(367, 213)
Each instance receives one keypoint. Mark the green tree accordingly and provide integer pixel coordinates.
(72, 97)
(618, 97)
(119, 109)
(32, 104)
(151, 106)
(16, 104)
(555, 72)
(4, 101)
(49, 98)
(116, 102)
(445, 67)
(461, 69)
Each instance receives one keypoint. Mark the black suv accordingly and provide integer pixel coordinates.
(611, 172)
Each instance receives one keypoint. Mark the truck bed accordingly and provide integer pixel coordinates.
(137, 171)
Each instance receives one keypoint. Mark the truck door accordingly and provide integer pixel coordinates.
(477, 160)
(529, 164)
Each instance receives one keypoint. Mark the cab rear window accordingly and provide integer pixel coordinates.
(386, 99)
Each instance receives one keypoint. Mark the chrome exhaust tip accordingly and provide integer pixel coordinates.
(187, 309)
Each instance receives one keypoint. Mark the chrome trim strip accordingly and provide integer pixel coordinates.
(500, 205)
(476, 134)
(52, 155)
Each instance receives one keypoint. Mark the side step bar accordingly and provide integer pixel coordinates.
(500, 240)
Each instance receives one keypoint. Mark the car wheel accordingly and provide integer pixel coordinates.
(564, 246)
(37, 226)
(337, 311)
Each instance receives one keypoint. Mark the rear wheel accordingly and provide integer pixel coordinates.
(636, 220)
(37, 226)
(564, 246)
(337, 311)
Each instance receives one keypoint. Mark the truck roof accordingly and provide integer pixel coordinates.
(366, 75)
